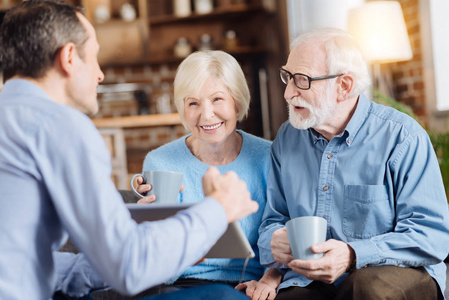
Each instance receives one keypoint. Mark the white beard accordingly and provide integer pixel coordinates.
(317, 115)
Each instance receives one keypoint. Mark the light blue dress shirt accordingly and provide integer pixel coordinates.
(378, 185)
(55, 182)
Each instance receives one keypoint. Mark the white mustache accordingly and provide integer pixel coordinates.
(298, 101)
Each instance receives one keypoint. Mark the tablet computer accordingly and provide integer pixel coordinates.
(232, 244)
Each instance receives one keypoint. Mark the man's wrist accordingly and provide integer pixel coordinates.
(352, 266)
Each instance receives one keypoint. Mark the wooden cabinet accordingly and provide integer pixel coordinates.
(122, 29)
(246, 20)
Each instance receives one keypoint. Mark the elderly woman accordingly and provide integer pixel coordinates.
(211, 96)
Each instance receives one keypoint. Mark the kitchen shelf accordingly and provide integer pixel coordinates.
(139, 121)
(155, 59)
(225, 12)
(170, 59)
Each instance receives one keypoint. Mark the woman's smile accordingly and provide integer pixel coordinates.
(212, 127)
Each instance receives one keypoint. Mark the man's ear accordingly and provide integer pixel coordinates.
(345, 86)
(66, 58)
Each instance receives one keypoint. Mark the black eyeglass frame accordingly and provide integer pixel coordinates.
(310, 79)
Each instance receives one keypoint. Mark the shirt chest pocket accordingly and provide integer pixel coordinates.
(367, 211)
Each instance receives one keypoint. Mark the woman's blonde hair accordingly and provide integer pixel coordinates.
(199, 66)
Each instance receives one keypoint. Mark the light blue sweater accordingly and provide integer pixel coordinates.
(252, 165)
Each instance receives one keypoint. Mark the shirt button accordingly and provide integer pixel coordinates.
(295, 283)
(329, 156)
(348, 141)
(325, 188)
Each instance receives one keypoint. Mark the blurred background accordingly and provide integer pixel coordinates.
(405, 42)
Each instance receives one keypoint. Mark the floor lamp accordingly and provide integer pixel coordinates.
(379, 28)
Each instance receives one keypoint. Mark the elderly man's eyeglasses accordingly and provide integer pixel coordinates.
(302, 81)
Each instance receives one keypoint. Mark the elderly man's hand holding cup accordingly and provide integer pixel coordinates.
(314, 257)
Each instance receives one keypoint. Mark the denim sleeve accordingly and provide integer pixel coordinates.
(421, 231)
(276, 210)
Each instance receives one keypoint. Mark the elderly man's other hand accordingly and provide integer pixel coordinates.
(337, 259)
(280, 246)
(231, 192)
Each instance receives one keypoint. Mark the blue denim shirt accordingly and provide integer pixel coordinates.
(378, 184)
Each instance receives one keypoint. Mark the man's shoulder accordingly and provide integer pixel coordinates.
(392, 117)
(30, 102)
(38, 113)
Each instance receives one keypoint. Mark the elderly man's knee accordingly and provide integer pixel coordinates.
(366, 282)
(366, 275)
(389, 282)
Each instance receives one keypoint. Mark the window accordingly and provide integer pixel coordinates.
(435, 44)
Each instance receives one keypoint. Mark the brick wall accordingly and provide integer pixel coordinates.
(139, 140)
(407, 76)
(123, 104)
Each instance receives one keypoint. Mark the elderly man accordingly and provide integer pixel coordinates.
(369, 170)
(55, 175)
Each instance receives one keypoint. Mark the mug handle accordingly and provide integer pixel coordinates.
(132, 185)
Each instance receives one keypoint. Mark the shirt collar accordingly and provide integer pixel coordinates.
(357, 119)
(23, 87)
(315, 135)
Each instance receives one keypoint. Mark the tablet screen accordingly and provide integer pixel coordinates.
(232, 244)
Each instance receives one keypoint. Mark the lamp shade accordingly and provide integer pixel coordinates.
(379, 28)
